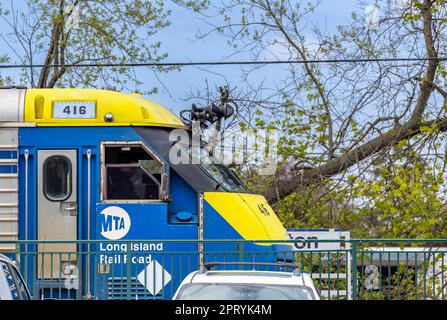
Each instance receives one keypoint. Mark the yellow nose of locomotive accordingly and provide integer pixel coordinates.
(248, 214)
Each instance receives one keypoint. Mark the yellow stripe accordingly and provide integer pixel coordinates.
(249, 214)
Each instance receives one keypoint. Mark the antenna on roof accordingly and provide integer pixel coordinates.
(209, 115)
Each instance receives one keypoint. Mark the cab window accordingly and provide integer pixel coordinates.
(131, 173)
(57, 178)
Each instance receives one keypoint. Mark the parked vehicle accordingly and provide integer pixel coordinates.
(12, 286)
(209, 284)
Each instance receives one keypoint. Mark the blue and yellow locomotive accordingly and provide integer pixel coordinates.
(80, 164)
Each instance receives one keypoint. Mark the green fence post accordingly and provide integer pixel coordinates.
(26, 261)
(241, 247)
(354, 270)
(128, 271)
(18, 257)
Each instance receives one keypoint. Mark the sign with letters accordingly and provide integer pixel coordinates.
(309, 239)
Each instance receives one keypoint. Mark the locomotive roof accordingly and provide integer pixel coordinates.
(29, 107)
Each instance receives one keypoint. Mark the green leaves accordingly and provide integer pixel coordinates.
(406, 200)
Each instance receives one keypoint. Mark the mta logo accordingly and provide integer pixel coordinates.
(115, 223)
(111, 223)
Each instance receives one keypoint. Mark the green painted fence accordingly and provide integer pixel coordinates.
(357, 269)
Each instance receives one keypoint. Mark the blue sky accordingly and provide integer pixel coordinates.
(178, 41)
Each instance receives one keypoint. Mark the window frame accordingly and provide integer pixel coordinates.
(164, 172)
(44, 180)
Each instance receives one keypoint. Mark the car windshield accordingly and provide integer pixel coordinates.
(218, 291)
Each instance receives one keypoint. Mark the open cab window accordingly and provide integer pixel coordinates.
(132, 172)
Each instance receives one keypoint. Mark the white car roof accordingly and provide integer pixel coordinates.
(249, 277)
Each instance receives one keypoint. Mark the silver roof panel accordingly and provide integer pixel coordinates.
(12, 105)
